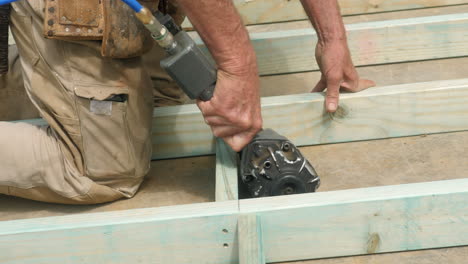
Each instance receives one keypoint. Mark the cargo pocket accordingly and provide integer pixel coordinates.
(107, 148)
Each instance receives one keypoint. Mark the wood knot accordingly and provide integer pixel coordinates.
(341, 113)
(373, 243)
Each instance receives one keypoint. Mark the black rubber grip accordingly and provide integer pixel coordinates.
(207, 94)
(4, 22)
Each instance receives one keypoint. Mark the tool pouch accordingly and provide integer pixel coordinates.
(124, 35)
(74, 20)
(110, 21)
(4, 21)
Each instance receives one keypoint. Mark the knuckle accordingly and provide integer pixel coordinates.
(230, 117)
(216, 132)
(219, 134)
(334, 77)
(245, 123)
(257, 125)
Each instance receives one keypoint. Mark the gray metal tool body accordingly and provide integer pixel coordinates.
(194, 72)
(269, 165)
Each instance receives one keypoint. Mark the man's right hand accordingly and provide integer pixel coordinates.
(234, 112)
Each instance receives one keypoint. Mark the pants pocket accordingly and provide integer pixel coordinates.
(107, 147)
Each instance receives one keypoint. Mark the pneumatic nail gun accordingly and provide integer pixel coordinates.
(270, 164)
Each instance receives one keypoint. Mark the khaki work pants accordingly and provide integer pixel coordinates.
(14, 101)
(97, 146)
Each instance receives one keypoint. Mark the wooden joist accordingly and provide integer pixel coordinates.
(226, 172)
(383, 112)
(198, 233)
(307, 226)
(249, 230)
(272, 11)
(363, 221)
(370, 43)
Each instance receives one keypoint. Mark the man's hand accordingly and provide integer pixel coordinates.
(234, 111)
(338, 72)
(332, 52)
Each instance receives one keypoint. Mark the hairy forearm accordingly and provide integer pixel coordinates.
(222, 30)
(326, 19)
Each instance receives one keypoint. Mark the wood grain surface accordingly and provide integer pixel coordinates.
(327, 224)
(370, 43)
(249, 231)
(272, 11)
(383, 112)
(226, 172)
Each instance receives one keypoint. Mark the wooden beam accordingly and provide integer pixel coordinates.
(198, 233)
(272, 11)
(250, 240)
(370, 43)
(226, 172)
(328, 224)
(363, 221)
(383, 112)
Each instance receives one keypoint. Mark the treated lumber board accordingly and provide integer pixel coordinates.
(272, 11)
(339, 223)
(363, 221)
(249, 231)
(198, 233)
(383, 112)
(384, 75)
(226, 172)
(370, 43)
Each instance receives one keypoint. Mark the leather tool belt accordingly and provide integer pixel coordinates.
(110, 21)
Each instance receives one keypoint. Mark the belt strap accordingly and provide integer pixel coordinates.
(4, 22)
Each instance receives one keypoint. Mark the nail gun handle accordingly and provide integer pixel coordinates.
(191, 69)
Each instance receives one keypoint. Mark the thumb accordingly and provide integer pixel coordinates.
(239, 141)
(362, 85)
(206, 108)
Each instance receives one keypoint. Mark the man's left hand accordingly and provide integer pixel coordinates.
(338, 72)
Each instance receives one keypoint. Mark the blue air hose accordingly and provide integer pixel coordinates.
(134, 4)
(6, 2)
